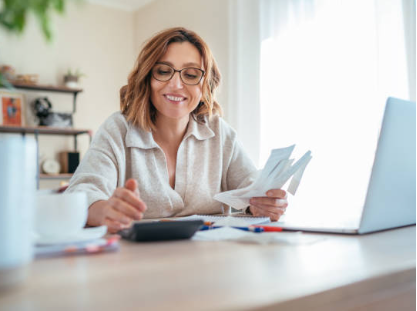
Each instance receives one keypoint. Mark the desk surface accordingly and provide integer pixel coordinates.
(336, 273)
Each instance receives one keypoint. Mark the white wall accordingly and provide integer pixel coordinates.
(96, 39)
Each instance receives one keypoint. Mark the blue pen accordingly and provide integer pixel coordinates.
(251, 229)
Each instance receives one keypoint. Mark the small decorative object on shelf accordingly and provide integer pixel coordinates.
(8, 72)
(42, 108)
(11, 109)
(50, 166)
(27, 79)
(71, 79)
(69, 161)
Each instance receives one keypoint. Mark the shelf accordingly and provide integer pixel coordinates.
(49, 88)
(57, 176)
(49, 130)
(46, 130)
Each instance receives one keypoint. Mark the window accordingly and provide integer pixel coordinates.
(326, 70)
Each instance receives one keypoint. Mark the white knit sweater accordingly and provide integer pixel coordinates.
(209, 160)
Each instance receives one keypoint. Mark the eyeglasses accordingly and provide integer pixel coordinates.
(190, 76)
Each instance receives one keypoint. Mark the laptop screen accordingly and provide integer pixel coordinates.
(336, 182)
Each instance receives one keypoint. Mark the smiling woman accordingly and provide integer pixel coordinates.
(168, 151)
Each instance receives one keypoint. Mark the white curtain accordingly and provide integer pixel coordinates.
(326, 70)
(242, 110)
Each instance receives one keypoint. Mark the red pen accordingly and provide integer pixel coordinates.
(269, 228)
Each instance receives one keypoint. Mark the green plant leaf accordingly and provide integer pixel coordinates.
(5, 83)
(13, 14)
(43, 19)
(59, 6)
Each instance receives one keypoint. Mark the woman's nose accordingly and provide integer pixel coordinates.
(176, 80)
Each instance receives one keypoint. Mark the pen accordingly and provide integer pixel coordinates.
(250, 228)
(269, 228)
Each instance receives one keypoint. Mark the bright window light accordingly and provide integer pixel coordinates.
(325, 76)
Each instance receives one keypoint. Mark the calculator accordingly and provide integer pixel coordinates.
(161, 230)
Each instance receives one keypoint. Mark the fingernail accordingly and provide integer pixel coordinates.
(280, 201)
(124, 226)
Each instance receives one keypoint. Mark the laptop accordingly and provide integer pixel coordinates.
(390, 200)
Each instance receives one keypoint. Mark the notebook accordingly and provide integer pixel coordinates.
(390, 199)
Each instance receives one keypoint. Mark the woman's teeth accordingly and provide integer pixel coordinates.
(175, 98)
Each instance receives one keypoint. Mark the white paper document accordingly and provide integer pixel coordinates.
(277, 171)
(236, 235)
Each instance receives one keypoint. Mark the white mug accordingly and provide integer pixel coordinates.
(60, 215)
(17, 203)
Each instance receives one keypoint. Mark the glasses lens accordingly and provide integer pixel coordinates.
(162, 72)
(191, 75)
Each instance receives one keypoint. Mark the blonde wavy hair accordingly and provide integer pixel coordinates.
(135, 103)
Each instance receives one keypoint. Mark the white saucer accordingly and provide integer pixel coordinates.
(83, 235)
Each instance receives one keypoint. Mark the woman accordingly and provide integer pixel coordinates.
(167, 152)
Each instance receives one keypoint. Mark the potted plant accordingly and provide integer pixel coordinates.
(13, 16)
(72, 78)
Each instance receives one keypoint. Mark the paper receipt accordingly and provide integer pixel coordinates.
(277, 171)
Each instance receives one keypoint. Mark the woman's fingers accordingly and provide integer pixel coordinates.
(115, 215)
(273, 214)
(125, 208)
(132, 185)
(273, 202)
(273, 205)
(277, 193)
(262, 211)
(120, 210)
(113, 226)
(130, 197)
(269, 209)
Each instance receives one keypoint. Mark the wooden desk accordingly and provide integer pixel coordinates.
(371, 272)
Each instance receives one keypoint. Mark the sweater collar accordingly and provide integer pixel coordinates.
(136, 137)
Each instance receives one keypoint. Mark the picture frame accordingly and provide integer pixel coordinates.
(12, 109)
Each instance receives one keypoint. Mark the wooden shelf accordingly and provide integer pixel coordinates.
(49, 130)
(49, 88)
(57, 176)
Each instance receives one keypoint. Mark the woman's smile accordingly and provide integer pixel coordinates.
(175, 98)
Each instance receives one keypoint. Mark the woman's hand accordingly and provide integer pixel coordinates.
(120, 210)
(273, 205)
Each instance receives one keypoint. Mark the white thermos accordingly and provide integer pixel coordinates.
(17, 206)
